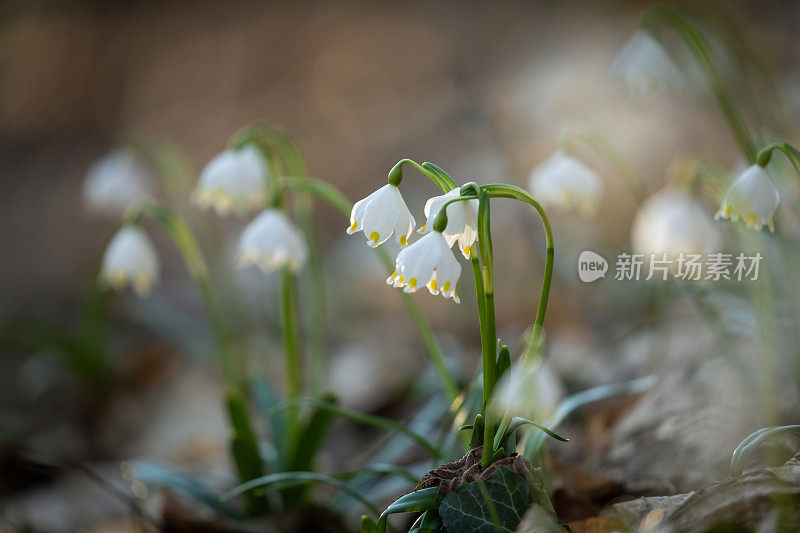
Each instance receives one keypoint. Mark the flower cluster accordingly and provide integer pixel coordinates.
(428, 262)
(235, 180)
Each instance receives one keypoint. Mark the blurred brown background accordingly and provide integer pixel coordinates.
(483, 89)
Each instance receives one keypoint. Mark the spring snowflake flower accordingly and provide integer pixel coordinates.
(673, 222)
(380, 214)
(272, 242)
(645, 67)
(563, 181)
(130, 259)
(430, 263)
(235, 180)
(115, 182)
(753, 198)
(462, 220)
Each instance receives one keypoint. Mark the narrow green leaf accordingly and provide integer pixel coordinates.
(746, 448)
(428, 522)
(245, 451)
(312, 436)
(161, 476)
(368, 525)
(282, 480)
(535, 440)
(477, 430)
(419, 500)
(503, 360)
(515, 423)
(266, 400)
(366, 419)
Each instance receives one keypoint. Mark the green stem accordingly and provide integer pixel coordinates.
(441, 179)
(187, 244)
(511, 191)
(765, 155)
(296, 167)
(291, 342)
(488, 327)
(699, 47)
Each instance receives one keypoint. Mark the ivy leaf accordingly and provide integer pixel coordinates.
(493, 505)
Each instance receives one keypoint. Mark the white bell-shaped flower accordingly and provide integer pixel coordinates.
(430, 263)
(672, 222)
(752, 198)
(130, 259)
(563, 181)
(645, 67)
(235, 180)
(115, 182)
(462, 220)
(272, 242)
(380, 214)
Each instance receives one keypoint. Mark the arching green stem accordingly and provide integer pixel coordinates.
(604, 149)
(511, 191)
(699, 47)
(443, 181)
(765, 155)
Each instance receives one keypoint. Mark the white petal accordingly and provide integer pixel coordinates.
(357, 213)
(563, 181)
(115, 182)
(233, 180)
(130, 258)
(381, 213)
(645, 67)
(416, 262)
(272, 242)
(752, 197)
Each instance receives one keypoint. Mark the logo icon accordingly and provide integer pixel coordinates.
(591, 266)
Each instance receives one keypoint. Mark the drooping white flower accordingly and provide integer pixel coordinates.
(272, 242)
(462, 220)
(672, 222)
(563, 181)
(115, 182)
(235, 180)
(645, 67)
(380, 214)
(130, 259)
(430, 263)
(752, 198)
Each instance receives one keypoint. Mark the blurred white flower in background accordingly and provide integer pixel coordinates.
(380, 214)
(235, 180)
(528, 389)
(672, 222)
(564, 182)
(115, 182)
(430, 263)
(462, 220)
(645, 67)
(752, 198)
(271, 241)
(130, 259)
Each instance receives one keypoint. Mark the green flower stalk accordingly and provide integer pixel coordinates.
(461, 215)
(700, 49)
(131, 258)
